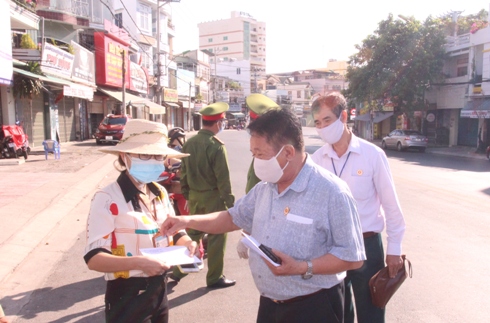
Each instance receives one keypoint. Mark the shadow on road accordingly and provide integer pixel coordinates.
(189, 297)
(62, 298)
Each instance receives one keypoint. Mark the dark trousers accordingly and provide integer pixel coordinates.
(357, 281)
(136, 300)
(326, 306)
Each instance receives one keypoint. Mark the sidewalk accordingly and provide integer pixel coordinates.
(459, 151)
(36, 195)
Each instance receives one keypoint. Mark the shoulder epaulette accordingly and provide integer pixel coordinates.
(218, 140)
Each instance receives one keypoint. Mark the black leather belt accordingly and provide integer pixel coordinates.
(295, 299)
(369, 234)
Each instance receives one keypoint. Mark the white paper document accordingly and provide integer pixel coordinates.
(175, 255)
(250, 242)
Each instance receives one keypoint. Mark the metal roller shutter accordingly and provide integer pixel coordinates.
(66, 117)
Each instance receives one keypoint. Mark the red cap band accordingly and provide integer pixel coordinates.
(214, 117)
(253, 115)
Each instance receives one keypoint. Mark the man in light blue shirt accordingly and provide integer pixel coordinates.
(304, 213)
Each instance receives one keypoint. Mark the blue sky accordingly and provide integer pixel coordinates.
(305, 35)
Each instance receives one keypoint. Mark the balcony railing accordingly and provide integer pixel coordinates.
(28, 4)
(79, 8)
(459, 41)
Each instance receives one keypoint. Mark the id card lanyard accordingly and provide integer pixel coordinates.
(158, 239)
(343, 166)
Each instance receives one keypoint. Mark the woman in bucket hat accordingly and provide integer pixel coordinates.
(125, 217)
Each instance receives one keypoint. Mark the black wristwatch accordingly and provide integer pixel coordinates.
(309, 270)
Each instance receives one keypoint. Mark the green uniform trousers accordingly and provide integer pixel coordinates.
(203, 203)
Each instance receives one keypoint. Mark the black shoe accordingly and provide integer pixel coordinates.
(174, 278)
(223, 283)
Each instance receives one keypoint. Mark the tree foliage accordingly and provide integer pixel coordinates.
(26, 87)
(463, 24)
(397, 63)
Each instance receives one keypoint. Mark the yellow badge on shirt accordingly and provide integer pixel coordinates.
(359, 172)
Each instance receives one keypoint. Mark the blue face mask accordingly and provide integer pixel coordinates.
(145, 171)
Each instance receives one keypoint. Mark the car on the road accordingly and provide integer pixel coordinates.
(111, 129)
(405, 139)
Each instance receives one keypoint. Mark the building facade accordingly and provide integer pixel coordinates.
(459, 109)
(240, 38)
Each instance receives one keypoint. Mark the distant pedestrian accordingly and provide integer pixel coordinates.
(364, 167)
(124, 217)
(206, 185)
(304, 213)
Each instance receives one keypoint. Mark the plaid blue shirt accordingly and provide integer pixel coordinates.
(314, 216)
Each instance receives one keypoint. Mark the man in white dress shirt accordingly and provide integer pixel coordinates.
(365, 169)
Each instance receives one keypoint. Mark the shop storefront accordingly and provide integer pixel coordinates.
(474, 123)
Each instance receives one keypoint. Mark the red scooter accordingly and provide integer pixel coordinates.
(14, 142)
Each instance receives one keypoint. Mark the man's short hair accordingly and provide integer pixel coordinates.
(209, 123)
(334, 101)
(279, 127)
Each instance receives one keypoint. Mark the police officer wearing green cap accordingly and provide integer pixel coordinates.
(257, 104)
(206, 185)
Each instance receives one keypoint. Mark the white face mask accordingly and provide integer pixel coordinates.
(331, 134)
(269, 170)
(222, 126)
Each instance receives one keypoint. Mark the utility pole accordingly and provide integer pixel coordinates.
(189, 109)
(159, 73)
(215, 74)
(123, 54)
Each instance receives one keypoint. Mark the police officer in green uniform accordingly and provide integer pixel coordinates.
(257, 104)
(206, 185)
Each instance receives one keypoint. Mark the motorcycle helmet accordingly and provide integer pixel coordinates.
(176, 137)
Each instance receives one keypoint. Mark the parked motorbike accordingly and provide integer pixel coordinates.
(14, 142)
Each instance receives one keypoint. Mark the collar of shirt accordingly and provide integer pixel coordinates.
(300, 183)
(131, 192)
(206, 132)
(354, 146)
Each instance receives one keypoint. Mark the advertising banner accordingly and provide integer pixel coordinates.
(83, 65)
(138, 78)
(109, 60)
(170, 95)
(6, 68)
(56, 61)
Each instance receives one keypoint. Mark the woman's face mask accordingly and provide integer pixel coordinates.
(332, 133)
(269, 170)
(145, 171)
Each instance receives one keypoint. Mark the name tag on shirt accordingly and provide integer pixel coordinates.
(298, 219)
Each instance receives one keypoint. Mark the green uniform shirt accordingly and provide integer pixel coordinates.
(206, 171)
(252, 179)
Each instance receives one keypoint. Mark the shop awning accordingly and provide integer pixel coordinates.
(171, 104)
(378, 117)
(69, 88)
(476, 109)
(135, 100)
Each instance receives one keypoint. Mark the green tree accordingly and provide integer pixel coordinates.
(397, 63)
(463, 24)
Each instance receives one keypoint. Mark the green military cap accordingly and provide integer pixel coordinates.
(215, 111)
(259, 104)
